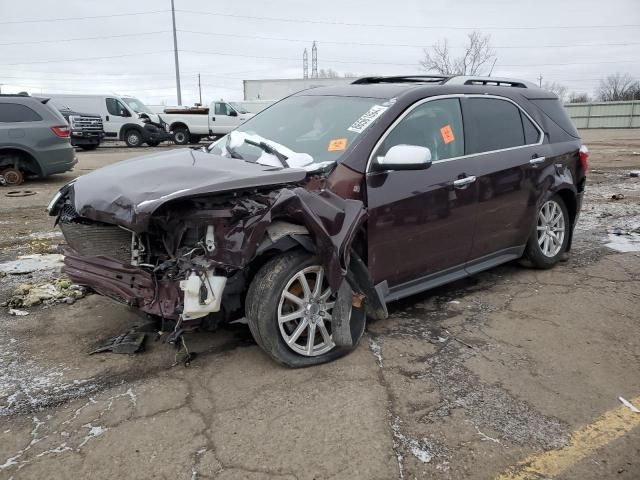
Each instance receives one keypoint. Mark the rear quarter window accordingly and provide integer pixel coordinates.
(16, 113)
(553, 109)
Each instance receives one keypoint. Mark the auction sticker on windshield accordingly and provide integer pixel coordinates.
(337, 145)
(367, 119)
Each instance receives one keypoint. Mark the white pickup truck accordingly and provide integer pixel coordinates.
(189, 125)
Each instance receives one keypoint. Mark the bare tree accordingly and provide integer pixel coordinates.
(578, 97)
(618, 87)
(328, 73)
(557, 88)
(476, 59)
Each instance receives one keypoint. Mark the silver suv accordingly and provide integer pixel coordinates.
(34, 139)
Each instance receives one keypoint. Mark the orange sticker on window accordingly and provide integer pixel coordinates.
(447, 134)
(337, 144)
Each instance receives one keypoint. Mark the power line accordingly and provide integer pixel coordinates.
(86, 38)
(333, 42)
(64, 19)
(421, 27)
(328, 60)
(86, 58)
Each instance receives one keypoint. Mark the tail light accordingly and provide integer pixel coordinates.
(584, 157)
(62, 132)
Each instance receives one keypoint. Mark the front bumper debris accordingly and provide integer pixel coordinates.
(125, 283)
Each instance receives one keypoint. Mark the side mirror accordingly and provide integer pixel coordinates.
(233, 113)
(405, 157)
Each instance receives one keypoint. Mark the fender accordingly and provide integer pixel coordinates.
(130, 126)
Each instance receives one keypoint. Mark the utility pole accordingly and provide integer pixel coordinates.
(540, 80)
(200, 89)
(175, 53)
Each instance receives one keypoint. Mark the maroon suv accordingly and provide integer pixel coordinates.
(315, 213)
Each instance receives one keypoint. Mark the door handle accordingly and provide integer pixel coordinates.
(537, 160)
(213, 119)
(107, 118)
(461, 182)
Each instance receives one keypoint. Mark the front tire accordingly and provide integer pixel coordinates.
(550, 237)
(289, 309)
(133, 138)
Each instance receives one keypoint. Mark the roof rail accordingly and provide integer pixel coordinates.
(437, 79)
(490, 81)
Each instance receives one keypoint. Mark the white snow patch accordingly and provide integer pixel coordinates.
(375, 347)
(33, 263)
(624, 243)
(93, 432)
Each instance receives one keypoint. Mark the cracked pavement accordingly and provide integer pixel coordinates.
(460, 382)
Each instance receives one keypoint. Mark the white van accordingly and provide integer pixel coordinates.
(120, 115)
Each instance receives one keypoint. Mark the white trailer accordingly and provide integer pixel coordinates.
(276, 89)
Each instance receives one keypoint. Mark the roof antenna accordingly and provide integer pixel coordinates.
(494, 64)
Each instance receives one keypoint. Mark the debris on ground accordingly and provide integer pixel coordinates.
(129, 343)
(33, 263)
(20, 193)
(18, 313)
(617, 196)
(60, 290)
(634, 174)
(629, 405)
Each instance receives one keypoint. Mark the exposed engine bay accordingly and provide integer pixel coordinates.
(199, 254)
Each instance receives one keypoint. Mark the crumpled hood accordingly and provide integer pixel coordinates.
(127, 193)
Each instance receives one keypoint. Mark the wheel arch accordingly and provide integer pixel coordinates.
(179, 124)
(130, 126)
(19, 158)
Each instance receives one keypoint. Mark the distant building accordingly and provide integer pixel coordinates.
(275, 89)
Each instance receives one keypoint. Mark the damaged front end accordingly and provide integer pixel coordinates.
(191, 259)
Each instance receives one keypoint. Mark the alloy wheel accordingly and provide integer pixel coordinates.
(550, 228)
(305, 313)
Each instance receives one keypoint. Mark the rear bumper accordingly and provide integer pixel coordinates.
(57, 159)
(125, 283)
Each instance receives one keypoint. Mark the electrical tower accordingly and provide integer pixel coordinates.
(305, 64)
(314, 60)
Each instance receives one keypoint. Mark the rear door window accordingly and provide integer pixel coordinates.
(531, 133)
(16, 113)
(436, 125)
(492, 124)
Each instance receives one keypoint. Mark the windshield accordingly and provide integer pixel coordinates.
(320, 126)
(238, 107)
(136, 105)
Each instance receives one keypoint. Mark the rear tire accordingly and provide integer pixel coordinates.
(268, 302)
(550, 236)
(133, 138)
(181, 136)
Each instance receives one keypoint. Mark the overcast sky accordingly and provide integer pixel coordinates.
(42, 50)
